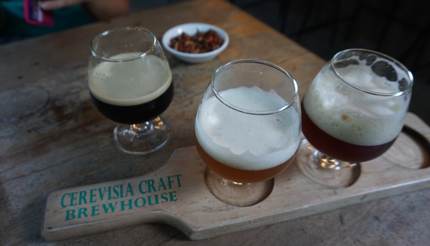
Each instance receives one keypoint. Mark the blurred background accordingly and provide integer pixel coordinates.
(400, 29)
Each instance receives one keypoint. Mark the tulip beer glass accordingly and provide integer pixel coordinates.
(131, 83)
(352, 112)
(247, 129)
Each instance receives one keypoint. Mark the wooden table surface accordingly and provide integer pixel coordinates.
(51, 137)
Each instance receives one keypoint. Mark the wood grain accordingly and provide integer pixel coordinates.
(51, 137)
(176, 194)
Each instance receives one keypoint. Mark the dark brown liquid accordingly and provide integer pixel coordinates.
(136, 113)
(239, 175)
(337, 148)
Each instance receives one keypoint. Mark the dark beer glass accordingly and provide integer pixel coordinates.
(247, 129)
(130, 83)
(352, 112)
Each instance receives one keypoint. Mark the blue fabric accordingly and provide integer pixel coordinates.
(13, 25)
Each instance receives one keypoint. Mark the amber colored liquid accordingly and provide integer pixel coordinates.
(337, 148)
(239, 175)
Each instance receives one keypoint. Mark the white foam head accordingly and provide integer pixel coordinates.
(244, 141)
(132, 82)
(354, 116)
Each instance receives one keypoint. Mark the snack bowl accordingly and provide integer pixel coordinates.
(192, 29)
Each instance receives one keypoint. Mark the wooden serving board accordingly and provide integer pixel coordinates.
(176, 194)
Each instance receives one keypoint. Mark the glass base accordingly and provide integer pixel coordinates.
(141, 139)
(236, 193)
(325, 170)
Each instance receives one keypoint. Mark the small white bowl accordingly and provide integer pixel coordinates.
(191, 29)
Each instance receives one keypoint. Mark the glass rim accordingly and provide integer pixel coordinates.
(261, 62)
(410, 77)
(119, 29)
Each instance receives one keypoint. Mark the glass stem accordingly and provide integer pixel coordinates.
(142, 129)
(328, 162)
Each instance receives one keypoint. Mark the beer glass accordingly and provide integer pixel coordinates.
(247, 129)
(352, 112)
(130, 83)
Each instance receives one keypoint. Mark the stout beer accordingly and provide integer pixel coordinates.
(134, 91)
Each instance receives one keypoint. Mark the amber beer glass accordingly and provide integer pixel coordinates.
(247, 129)
(352, 112)
(130, 83)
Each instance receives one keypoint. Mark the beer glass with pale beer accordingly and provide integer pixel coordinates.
(247, 129)
(131, 83)
(352, 112)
